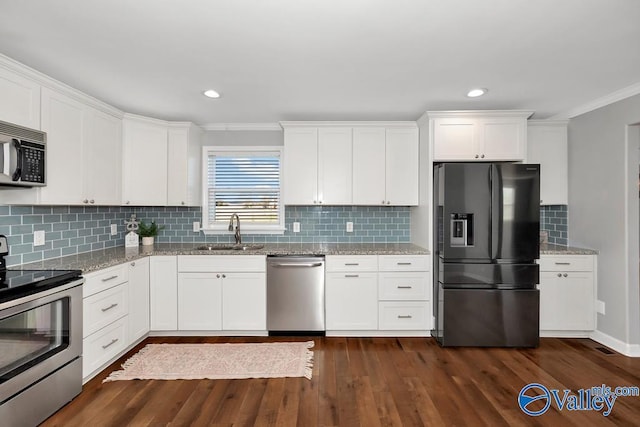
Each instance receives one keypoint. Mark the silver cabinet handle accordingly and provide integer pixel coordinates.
(113, 341)
(133, 264)
(351, 275)
(182, 203)
(106, 279)
(408, 316)
(404, 287)
(388, 202)
(224, 276)
(351, 263)
(217, 276)
(127, 202)
(482, 156)
(563, 263)
(559, 274)
(383, 202)
(110, 307)
(404, 263)
(92, 201)
(565, 275)
(477, 156)
(85, 201)
(284, 264)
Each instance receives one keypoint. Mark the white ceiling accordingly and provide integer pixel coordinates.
(278, 60)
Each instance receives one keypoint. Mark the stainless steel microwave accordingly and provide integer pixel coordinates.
(22, 156)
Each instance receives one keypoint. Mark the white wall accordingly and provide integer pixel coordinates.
(243, 137)
(600, 217)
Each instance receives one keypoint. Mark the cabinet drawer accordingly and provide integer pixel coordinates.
(102, 308)
(351, 263)
(102, 346)
(404, 262)
(221, 263)
(566, 263)
(401, 286)
(404, 315)
(104, 279)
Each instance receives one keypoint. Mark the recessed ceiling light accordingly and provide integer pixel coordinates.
(211, 93)
(474, 93)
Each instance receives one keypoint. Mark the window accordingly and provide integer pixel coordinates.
(246, 181)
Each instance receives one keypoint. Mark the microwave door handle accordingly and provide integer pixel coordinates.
(18, 172)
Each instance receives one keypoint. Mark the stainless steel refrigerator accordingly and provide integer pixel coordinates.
(486, 241)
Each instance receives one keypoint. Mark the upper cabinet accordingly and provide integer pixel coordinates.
(83, 152)
(161, 163)
(19, 100)
(478, 135)
(547, 145)
(350, 163)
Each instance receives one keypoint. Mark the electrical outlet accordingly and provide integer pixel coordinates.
(114, 229)
(296, 227)
(600, 307)
(38, 238)
(196, 226)
(349, 227)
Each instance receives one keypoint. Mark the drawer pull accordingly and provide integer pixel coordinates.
(404, 287)
(114, 305)
(407, 316)
(351, 275)
(565, 275)
(113, 341)
(351, 263)
(404, 263)
(563, 263)
(106, 279)
(559, 274)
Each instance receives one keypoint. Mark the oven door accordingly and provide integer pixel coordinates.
(39, 334)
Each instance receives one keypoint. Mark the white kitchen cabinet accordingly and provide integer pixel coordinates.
(163, 274)
(199, 301)
(184, 156)
(83, 152)
(478, 135)
(138, 299)
(385, 166)
(19, 100)
(222, 292)
(65, 121)
(547, 145)
(317, 166)
(144, 162)
(351, 293)
(567, 295)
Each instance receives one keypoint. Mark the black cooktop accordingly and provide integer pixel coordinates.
(18, 283)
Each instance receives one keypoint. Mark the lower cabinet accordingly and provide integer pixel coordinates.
(244, 302)
(567, 295)
(199, 301)
(163, 293)
(138, 298)
(351, 301)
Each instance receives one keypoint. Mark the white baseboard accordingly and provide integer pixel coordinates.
(565, 334)
(208, 333)
(631, 350)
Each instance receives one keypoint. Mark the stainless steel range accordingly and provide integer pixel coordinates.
(40, 341)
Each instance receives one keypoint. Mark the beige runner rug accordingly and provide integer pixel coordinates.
(218, 361)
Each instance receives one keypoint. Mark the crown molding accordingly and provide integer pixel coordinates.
(543, 122)
(389, 124)
(479, 113)
(616, 96)
(48, 82)
(242, 126)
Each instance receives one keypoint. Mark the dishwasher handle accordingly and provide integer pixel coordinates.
(296, 264)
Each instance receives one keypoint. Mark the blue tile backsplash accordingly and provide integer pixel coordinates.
(553, 220)
(75, 229)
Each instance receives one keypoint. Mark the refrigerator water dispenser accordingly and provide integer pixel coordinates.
(462, 229)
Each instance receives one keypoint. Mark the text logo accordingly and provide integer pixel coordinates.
(527, 401)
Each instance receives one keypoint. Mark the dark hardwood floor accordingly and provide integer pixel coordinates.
(371, 382)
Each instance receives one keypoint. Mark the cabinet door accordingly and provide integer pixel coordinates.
(145, 163)
(502, 138)
(177, 185)
(138, 298)
(103, 159)
(402, 167)
(163, 272)
(547, 145)
(334, 166)
(244, 302)
(19, 100)
(64, 119)
(199, 301)
(455, 139)
(351, 301)
(567, 303)
(369, 164)
(300, 166)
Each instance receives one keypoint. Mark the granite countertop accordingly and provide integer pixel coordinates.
(551, 249)
(96, 260)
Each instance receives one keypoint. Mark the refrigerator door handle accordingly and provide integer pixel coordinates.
(495, 179)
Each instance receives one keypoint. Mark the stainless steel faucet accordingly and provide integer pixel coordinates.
(237, 234)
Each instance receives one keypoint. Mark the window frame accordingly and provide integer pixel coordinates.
(245, 227)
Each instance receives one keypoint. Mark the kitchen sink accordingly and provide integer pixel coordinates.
(239, 247)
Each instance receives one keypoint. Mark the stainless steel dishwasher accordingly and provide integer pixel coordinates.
(295, 294)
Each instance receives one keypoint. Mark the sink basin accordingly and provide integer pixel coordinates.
(228, 247)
